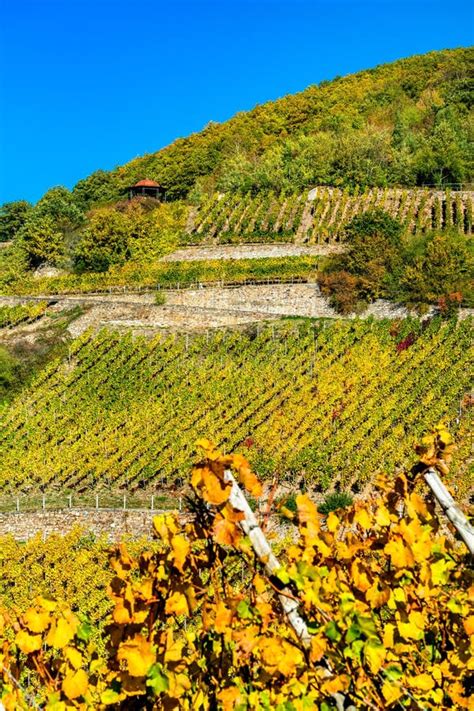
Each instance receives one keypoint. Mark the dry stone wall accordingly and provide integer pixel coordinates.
(112, 524)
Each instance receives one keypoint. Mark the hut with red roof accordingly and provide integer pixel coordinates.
(146, 188)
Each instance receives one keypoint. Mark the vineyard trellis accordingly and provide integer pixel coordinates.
(121, 412)
(320, 215)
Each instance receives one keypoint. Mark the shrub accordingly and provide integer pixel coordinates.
(436, 266)
(342, 290)
(334, 501)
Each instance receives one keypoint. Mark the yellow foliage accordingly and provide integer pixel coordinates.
(138, 655)
(75, 684)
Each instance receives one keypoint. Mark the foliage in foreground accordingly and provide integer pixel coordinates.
(387, 595)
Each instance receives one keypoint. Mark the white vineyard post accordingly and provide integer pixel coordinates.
(451, 509)
(125, 502)
(152, 502)
(262, 548)
(43, 502)
(70, 501)
(18, 504)
(97, 501)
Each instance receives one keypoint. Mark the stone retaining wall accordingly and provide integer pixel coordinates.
(113, 524)
(250, 251)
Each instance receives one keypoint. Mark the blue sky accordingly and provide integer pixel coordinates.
(88, 84)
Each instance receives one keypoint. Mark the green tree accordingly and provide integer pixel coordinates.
(13, 216)
(436, 265)
(42, 241)
(103, 242)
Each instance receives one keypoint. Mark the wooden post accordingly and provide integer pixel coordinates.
(262, 548)
(451, 509)
(265, 554)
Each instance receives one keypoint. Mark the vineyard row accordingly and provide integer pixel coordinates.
(331, 402)
(319, 216)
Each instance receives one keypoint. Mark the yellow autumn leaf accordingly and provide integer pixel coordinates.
(46, 604)
(35, 620)
(359, 576)
(382, 516)
(28, 643)
(414, 628)
(440, 571)
(391, 692)
(423, 682)
(377, 596)
(374, 653)
(363, 519)
(75, 684)
(181, 550)
(400, 555)
(138, 654)
(73, 656)
(388, 632)
(60, 633)
(174, 650)
(290, 659)
(332, 522)
(177, 604)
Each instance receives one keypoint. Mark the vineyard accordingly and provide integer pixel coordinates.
(330, 401)
(11, 316)
(369, 607)
(320, 215)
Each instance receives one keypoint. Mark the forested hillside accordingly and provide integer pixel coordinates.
(404, 123)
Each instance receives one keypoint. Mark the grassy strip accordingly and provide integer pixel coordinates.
(171, 274)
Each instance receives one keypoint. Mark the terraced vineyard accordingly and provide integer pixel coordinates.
(320, 215)
(21, 313)
(332, 400)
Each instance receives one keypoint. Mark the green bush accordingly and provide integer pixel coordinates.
(435, 266)
(335, 501)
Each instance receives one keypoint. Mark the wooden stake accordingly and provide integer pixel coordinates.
(265, 554)
(451, 509)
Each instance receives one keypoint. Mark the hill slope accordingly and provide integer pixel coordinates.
(334, 401)
(404, 123)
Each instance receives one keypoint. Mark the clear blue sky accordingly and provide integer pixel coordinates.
(88, 84)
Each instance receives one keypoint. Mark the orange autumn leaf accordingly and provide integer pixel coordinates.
(214, 489)
(226, 532)
(223, 617)
(181, 548)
